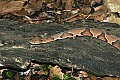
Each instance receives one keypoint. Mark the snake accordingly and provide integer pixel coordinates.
(92, 32)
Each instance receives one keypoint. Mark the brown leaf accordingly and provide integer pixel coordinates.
(56, 71)
(10, 7)
(68, 3)
(86, 9)
(22, 12)
(84, 73)
(102, 8)
(101, 17)
(32, 6)
(86, 1)
(97, 8)
(41, 72)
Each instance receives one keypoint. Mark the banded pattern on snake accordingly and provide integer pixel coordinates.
(111, 39)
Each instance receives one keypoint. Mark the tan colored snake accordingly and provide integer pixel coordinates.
(111, 39)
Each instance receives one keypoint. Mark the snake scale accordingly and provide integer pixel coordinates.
(110, 39)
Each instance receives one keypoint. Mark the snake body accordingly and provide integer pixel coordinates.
(110, 39)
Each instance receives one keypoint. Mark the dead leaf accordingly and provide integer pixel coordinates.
(86, 10)
(56, 71)
(102, 8)
(41, 72)
(32, 6)
(35, 4)
(22, 12)
(84, 73)
(10, 7)
(101, 17)
(97, 8)
(68, 4)
(86, 1)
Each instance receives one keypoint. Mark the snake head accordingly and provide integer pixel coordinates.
(37, 40)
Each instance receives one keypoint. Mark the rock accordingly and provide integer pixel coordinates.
(85, 52)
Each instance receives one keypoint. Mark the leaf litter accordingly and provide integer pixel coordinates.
(40, 11)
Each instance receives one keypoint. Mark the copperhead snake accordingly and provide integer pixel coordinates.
(110, 39)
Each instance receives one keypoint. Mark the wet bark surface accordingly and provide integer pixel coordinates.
(86, 53)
